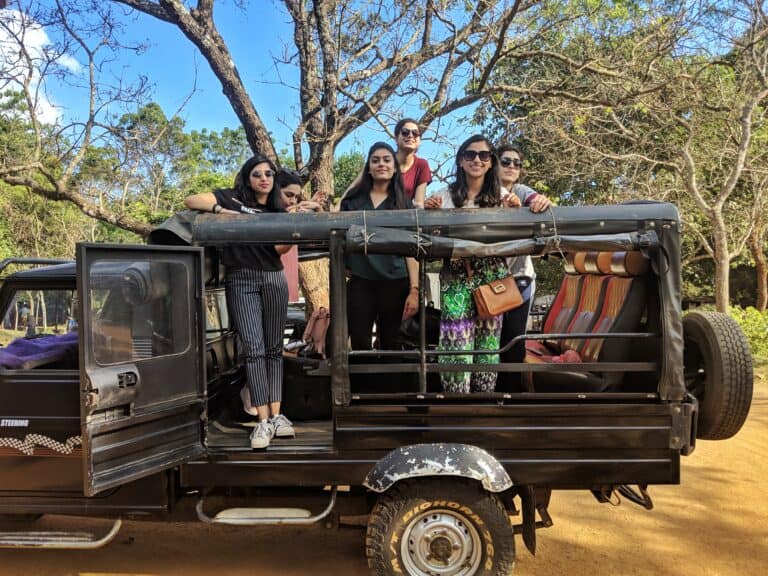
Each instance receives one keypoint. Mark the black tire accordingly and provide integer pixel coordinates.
(718, 372)
(445, 526)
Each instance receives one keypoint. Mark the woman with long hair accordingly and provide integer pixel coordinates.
(521, 267)
(257, 295)
(476, 185)
(382, 288)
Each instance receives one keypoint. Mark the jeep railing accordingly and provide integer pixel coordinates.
(437, 234)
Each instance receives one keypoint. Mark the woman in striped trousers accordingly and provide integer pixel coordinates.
(257, 296)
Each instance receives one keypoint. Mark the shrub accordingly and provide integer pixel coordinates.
(755, 326)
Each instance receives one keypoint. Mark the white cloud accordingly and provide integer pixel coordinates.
(16, 30)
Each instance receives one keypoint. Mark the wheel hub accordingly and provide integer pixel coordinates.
(441, 543)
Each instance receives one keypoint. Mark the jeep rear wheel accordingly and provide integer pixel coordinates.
(446, 527)
(718, 372)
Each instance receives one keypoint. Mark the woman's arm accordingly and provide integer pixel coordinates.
(206, 202)
(203, 202)
(419, 195)
(412, 301)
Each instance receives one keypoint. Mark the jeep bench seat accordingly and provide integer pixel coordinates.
(612, 298)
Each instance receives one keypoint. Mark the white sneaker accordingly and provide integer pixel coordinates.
(245, 396)
(283, 427)
(262, 434)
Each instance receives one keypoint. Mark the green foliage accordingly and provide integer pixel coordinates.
(345, 169)
(755, 326)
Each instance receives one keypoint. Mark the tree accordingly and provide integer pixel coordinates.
(646, 112)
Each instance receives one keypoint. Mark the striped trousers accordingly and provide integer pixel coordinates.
(258, 304)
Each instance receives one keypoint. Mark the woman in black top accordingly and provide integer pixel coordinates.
(257, 295)
(383, 289)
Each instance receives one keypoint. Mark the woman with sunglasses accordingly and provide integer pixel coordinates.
(521, 267)
(415, 170)
(257, 295)
(382, 288)
(477, 185)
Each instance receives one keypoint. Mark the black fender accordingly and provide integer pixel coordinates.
(441, 459)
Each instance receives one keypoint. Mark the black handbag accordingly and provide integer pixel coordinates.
(409, 329)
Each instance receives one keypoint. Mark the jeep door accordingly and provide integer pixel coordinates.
(142, 368)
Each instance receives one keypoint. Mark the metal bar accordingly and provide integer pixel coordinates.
(339, 365)
(486, 225)
(33, 261)
(266, 521)
(323, 370)
(58, 540)
(551, 368)
(516, 396)
(507, 346)
(422, 327)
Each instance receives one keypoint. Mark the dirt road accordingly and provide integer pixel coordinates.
(714, 524)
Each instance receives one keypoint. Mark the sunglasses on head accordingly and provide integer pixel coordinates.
(406, 133)
(470, 155)
(506, 161)
(265, 174)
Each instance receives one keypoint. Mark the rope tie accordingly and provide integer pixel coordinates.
(556, 235)
(421, 244)
(366, 236)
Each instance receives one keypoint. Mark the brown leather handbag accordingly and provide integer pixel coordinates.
(497, 297)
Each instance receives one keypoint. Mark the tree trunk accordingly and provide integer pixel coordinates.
(314, 274)
(722, 265)
(761, 268)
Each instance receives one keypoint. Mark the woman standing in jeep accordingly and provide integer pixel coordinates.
(415, 171)
(521, 267)
(257, 295)
(477, 185)
(382, 288)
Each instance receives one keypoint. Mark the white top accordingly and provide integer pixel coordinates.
(518, 265)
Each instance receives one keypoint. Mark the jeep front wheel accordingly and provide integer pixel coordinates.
(718, 372)
(449, 527)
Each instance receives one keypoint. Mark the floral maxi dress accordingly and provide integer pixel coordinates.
(461, 329)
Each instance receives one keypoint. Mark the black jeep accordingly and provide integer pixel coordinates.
(120, 380)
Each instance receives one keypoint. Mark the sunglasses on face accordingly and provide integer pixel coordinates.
(406, 133)
(470, 155)
(506, 161)
(265, 174)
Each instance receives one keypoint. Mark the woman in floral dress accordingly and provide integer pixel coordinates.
(477, 185)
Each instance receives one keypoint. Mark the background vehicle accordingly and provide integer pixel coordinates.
(138, 414)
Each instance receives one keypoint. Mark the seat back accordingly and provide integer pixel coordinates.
(623, 305)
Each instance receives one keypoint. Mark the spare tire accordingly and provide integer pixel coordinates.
(718, 372)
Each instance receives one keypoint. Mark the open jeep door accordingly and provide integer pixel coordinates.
(142, 368)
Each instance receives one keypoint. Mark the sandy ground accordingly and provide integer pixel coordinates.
(715, 523)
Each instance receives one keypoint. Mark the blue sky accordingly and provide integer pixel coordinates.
(174, 66)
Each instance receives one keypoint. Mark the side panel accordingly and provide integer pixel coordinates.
(564, 445)
(141, 359)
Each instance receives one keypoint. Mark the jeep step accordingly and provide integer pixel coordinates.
(264, 516)
(58, 540)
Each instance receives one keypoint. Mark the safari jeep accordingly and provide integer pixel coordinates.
(120, 380)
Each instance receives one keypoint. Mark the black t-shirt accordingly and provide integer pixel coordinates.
(260, 257)
(374, 266)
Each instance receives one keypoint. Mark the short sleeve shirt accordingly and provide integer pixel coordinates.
(374, 266)
(418, 173)
(259, 257)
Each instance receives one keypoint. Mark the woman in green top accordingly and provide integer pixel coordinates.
(382, 288)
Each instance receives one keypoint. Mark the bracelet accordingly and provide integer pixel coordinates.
(415, 288)
(216, 208)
